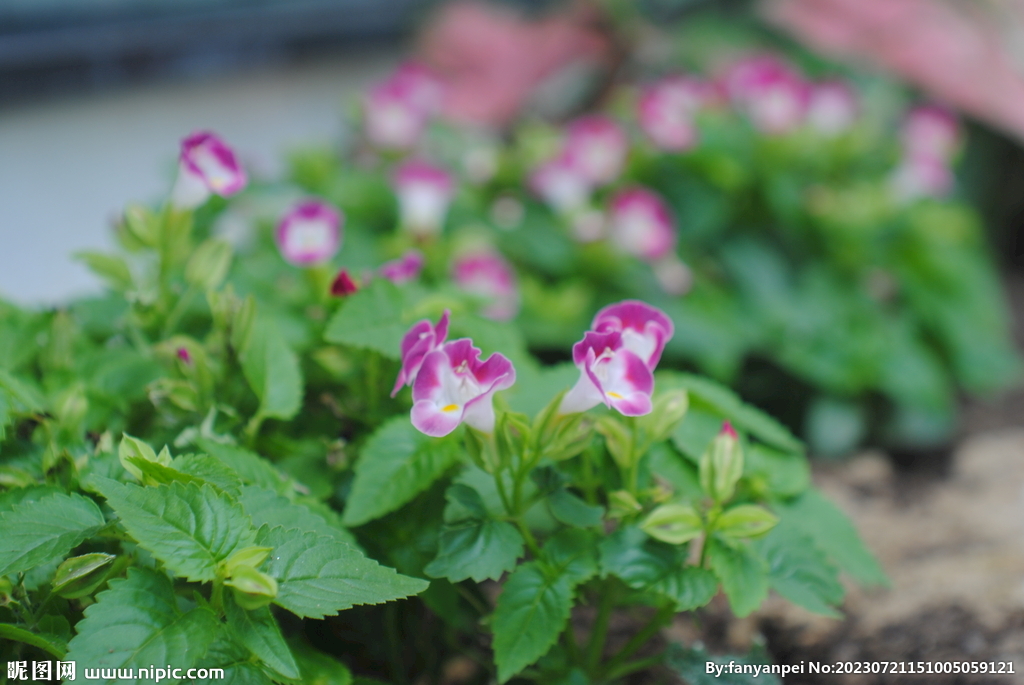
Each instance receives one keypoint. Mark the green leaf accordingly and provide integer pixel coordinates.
(654, 566)
(744, 575)
(799, 571)
(471, 544)
(692, 664)
(745, 521)
(259, 632)
(272, 369)
(207, 469)
(251, 468)
(318, 575)
(189, 528)
(235, 659)
(26, 398)
(111, 268)
(833, 533)
(50, 644)
(532, 612)
(673, 523)
(695, 432)
(397, 463)
(45, 530)
(319, 668)
(573, 553)
(783, 474)
(371, 319)
(80, 576)
(137, 623)
(573, 511)
(266, 507)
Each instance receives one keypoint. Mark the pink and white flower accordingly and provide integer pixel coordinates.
(930, 131)
(644, 329)
(641, 224)
(773, 95)
(392, 120)
(486, 273)
(833, 107)
(420, 86)
(561, 185)
(424, 193)
(596, 146)
(611, 374)
(666, 110)
(920, 176)
(404, 269)
(310, 233)
(454, 386)
(422, 339)
(207, 166)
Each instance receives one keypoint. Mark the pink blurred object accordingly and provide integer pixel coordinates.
(559, 183)
(641, 224)
(833, 107)
(769, 91)
(666, 109)
(206, 166)
(404, 269)
(487, 274)
(309, 233)
(930, 131)
(956, 53)
(921, 176)
(596, 145)
(491, 60)
(424, 192)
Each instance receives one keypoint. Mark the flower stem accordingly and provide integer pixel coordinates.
(660, 619)
(599, 633)
(634, 666)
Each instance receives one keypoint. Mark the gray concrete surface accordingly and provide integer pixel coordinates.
(67, 167)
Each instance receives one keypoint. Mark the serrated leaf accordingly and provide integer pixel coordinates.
(190, 528)
(783, 473)
(259, 632)
(397, 463)
(266, 507)
(673, 523)
(471, 544)
(137, 623)
(272, 369)
(251, 468)
(239, 669)
(573, 511)
(654, 566)
(743, 574)
(207, 469)
(111, 268)
(834, 534)
(44, 530)
(371, 319)
(154, 473)
(24, 395)
(799, 571)
(318, 575)
(571, 552)
(532, 612)
(50, 644)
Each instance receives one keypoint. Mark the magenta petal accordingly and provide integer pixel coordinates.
(595, 343)
(434, 421)
(645, 329)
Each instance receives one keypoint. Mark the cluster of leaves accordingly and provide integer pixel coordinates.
(288, 483)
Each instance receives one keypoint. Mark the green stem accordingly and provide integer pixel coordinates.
(373, 382)
(472, 599)
(703, 551)
(634, 666)
(661, 618)
(217, 595)
(571, 648)
(503, 494)
(531, 542)
(599, 634)
(180, 307)
(394, 644)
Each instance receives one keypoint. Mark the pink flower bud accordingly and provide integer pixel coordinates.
(769, 92)
(596, 146)
(183, 355)
(728, 430)
(343, 285)
(404, 269)
(422, 339)
(424, 192)
(641, 224)
(930, 131)
(207, 166)
(310, 233)
(487, 275)
(561, 185)
(453, 386)
(833, 107)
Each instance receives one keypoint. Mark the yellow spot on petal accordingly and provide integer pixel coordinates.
(450, 407)
(615, 395)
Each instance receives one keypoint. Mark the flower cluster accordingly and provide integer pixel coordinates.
(397, 111)
(930, 138)
(451, 385)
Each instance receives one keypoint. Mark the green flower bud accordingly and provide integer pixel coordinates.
(745, 521)
(621, 504)
(80, 576)
(619, 440)
(722, 465)
(209, 264)
(251, 557)
(668, 411)
(251, 588)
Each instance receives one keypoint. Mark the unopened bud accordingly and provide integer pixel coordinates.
(673, 523)
(668, 411)
(80, 576)
(722, 465)
(251, 588)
